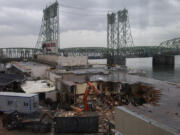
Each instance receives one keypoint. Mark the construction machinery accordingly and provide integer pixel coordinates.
(88, 89)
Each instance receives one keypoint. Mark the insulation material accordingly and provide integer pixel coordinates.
(81, 88)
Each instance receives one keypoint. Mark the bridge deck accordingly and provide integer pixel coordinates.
(94, 52)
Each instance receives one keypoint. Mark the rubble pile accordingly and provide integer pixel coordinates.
(69, 113)
(143, 93)
(136, 94)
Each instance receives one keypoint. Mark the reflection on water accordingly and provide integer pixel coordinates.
(165, 73)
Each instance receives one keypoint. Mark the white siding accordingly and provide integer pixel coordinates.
(73, 61)
(64, 61)
(13, 103)
(53, 76)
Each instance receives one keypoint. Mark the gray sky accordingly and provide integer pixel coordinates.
(83, 22)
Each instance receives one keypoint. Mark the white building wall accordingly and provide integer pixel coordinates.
(52, 76)
(64, 61)
(73, 61)
(18, 104)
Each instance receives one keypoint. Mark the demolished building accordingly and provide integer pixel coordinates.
(117, 89)
(11, 82)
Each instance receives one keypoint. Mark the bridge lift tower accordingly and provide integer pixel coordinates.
(118, 36)
(48, 39)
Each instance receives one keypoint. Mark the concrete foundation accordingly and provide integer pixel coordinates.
(164, 68)
(163, 63)
(116, 60)
(163, 60)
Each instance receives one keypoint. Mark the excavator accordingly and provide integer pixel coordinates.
(88, 89)
(85, 103)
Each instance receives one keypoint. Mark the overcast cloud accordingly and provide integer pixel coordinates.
(152, 21)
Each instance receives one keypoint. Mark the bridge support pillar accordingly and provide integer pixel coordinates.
(163, 61)
(116, 60)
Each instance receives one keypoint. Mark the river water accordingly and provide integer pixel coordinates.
(145, 64)
(134, 63)
(164, 73)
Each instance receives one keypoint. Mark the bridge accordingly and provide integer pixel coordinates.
(128, 52)
(17, 54)
(120, 43)
(169, 47)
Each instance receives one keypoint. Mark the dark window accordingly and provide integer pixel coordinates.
(10, 102)
(25, 104)
(34, 104)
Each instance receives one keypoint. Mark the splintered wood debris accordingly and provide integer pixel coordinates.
(136, 94)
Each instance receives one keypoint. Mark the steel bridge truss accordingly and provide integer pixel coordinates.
(18, 53)
(48, 38)
(93, 52)
(170, 47)
(101, 52)
(118, 33)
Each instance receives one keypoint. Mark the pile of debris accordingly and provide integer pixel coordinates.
(11, 82)
(137, 94)
(94, 110)
(35, 123)
(69, 113)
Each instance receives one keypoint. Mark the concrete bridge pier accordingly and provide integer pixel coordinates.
(116, 60)
(163, 61)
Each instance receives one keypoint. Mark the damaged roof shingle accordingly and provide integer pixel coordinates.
(6, 79)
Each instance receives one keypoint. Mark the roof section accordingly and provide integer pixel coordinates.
(6, 79)
(39, 86)
(13, 94)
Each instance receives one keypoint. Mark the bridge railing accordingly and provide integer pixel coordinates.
(94, 52)
(18, 53)
(102, 52)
